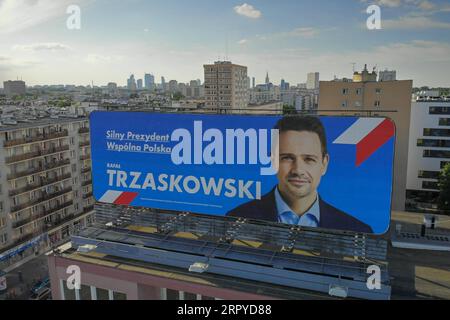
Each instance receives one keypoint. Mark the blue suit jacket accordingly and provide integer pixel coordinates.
(330, 217)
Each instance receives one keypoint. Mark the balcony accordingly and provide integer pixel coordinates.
(86, 183)
(44, 182)
(35, 154)
(87, 195)
(85, 157)
(83, 130)
(45, 213)
(43, 198)
(38, 138)
(85, 143)
(85, 170)
(31, 171)
(88, 209)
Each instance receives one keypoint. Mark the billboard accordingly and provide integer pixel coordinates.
(324, 172)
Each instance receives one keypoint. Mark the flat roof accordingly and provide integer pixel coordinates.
(38, 123)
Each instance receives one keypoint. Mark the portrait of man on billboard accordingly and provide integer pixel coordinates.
(303, 162)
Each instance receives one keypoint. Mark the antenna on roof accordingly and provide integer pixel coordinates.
(354, 66)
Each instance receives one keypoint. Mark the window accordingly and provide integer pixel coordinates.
(378, 90)
(433, 143)
(3, 238)
(377, 103)
(190, 296)
(2, 222)
(85, 292)
(357, 104)
(440, 110)
(345, 91)
(430, 185)
(436, 132)
(344, 104)
(102, 294)
(119, 296)
(436, 154)
(429, 174)
(172, 294)
(444, 121)
(358, 91)
(68, 294)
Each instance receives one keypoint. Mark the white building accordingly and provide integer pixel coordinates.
(312, 82)
(429, 146)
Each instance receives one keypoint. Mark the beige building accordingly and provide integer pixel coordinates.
(226, 86)
(45, 185)
(365, 96)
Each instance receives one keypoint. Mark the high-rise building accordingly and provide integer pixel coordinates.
(253, 82)
(366, 96)
(46, 185)
(131, 83)
(173, 86)
(387, 75)
(149, 80)
(267, 78)
(13, 88)
(226, 85)
(163, 83)
(312, 81)
(140, 84)
(429, 147)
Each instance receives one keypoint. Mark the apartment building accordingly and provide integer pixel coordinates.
(226, 86)
(429, 147)
(365, 96)
(45, 185)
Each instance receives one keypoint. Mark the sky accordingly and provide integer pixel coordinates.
(175, 38)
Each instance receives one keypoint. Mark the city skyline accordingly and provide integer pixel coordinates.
(289, 39)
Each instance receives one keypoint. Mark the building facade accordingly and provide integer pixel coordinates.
(312, 81)
(45, 185)
(390, 99)
(429, 147)
(226, 86)
(13, 88)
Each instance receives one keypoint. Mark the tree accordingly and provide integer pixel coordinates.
(288, 109)
(177, 96)
(444, 186)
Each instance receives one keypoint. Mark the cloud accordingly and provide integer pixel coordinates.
(414, 23)
(426, 5)
(16, 15)
(94, 58)
(301, 32)
(243, 41)
(248, 11)
(48, 46)
(389, 3)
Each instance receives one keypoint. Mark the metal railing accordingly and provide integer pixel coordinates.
(38, 138)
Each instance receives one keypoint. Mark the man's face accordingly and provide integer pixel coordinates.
(302, 164)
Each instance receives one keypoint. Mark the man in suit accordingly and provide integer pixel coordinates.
(303, 161)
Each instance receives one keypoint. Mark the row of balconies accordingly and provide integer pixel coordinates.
(83, 130)
(85, 170)
(35, 154)
(42, 183)
(39, 169)
(45, 213)
(38, 200)
(37, 138)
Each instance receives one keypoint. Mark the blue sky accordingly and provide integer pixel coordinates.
(174, 38)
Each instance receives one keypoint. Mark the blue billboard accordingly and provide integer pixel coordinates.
(324, 172)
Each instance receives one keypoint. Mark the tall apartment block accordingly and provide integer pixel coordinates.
(226, 86)
(429, 147)
(45, 185)
(364, 96)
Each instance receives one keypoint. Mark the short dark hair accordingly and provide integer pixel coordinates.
(304, 123)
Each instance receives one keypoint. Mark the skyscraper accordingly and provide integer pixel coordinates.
(131, 83)
(149, 80)
(140, 84)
